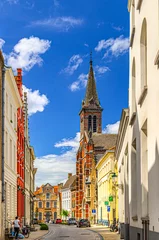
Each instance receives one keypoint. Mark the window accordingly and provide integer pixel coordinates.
(14, 160)
(94, 123)
(6, 147)
(88, 191)
(40, 204)
(55, 204)
(134, 178)
(133, 14)
(89, 123)
(6, 104)
(47, 195)
(133, 100)
(40, 216)
(11, 117)
(143, 55)
(47, 204)
(11, 154)
(15, 122)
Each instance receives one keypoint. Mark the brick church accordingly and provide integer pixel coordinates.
(93, 144)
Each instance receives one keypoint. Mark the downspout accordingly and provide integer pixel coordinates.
(3, 132)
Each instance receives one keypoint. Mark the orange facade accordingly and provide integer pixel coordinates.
(20, 150)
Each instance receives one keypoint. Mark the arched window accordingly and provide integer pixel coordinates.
(94, 123)
(133, 14)
(143, 54)
(133, 93)
(89, 123)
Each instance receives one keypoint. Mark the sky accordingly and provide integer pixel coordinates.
(51, 41)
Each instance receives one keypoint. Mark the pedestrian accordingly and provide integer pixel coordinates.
(16, 227)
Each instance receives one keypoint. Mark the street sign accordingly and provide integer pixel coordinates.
(93, 211)
(106, 203)
(111, 199)
(108, 208)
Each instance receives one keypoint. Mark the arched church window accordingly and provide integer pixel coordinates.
(89, 123)
(94, 123)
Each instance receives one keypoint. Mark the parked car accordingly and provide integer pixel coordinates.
(58, 220)
(83, 223)
(71, 221)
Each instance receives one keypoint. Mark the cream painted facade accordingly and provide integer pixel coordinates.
(107, 188)
(12, 103)
(143, 129)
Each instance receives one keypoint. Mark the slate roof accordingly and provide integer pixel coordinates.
(91, 91)
(70, 182)
(105, 141)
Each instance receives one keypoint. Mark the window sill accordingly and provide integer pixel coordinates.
(139, 4)
(157, 59)
(132, 36)
(135, 218)
(132, 119)
(143, 95)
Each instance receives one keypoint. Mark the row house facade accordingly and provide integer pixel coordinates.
(45, 204)
(107, 188)
(20, 150)
(92, 146)
(67, 193)
(1, 143)
(30, 171)
(12, 103)
(138, 149)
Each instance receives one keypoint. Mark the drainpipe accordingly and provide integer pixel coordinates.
(3, 132)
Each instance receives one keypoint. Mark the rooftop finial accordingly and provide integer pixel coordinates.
(91, 58)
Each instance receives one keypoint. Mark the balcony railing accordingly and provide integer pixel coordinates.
(88, 199)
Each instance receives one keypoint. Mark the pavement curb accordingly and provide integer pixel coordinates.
(101, 237)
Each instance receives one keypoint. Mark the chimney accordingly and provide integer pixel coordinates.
(69, 175)
(18, 80)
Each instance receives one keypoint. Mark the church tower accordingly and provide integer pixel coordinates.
(91, 112)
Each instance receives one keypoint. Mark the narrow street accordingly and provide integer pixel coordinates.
(62, 232)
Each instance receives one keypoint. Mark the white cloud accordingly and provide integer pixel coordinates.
(2, 42)
(74, 62)
(86, 45)
(115, 47)
(117, 28)
(112, 128)
(55, 168)
(36, 101)
(80, 83)
(59, 23)
(12, 1)
(101, 70)
(26, 53)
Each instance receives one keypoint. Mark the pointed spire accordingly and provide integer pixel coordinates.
(91, 92)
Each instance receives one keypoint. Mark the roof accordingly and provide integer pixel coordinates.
(91, 91)
(105, 141)
(70, 182)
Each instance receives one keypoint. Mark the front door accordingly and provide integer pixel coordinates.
(47, 216)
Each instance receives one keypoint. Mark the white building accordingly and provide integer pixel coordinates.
(12, 103)
(30, 171)
(66, 194)
(143, 129)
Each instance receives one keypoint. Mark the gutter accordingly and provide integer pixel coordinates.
(3, 132)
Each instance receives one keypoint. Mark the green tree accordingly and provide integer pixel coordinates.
(65, 213)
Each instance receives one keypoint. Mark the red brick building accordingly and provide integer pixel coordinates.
(93, 145)
(20, 150)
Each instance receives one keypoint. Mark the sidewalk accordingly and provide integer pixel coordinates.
(105, 232)
(38, 234)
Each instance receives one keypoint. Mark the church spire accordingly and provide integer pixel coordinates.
(91, 91)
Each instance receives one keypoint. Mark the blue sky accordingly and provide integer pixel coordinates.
(51, 40)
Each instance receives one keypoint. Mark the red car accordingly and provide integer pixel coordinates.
(58, 220)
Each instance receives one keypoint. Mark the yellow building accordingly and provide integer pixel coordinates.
(45, 205)
(107, 188)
